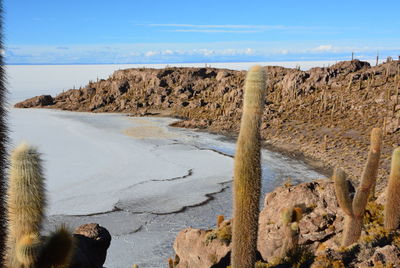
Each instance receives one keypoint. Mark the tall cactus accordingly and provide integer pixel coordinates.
(26, 203)
(247, 172)
(26, 200)
(392, 207)
(3, 140)
(354, 209)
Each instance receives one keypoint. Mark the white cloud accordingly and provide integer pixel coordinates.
(324, 48)
(206, 52)
(151, 53)
(167, 52)
(230, 28)
(249, 51)
(184, 52)
(212, 31)
(225, 26)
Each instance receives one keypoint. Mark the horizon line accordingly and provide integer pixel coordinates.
(185, 62)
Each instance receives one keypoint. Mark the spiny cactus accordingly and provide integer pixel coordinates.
(290, 219)
(57, 249)
(25, 205)
(247, 172)
(52, 252)
(27, 249)
(3, 141)
(26, 200)
(354, 209)
(392, 207)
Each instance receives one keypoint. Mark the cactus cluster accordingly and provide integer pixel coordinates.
(290, 219)
(354, 208)
(25, 206)
(247, 172)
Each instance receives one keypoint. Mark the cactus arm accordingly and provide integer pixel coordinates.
(392, 209)
(57, 250)
(369, 175)
(247, 173)
(342, 191)
(290, 218)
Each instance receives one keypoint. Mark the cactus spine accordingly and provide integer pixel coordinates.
(3, 141)
(26, 199)
(354, 209)
(247, 173)
(290, 219)
(392, 210)
(25, 205)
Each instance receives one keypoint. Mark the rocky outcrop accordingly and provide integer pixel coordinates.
(197, 248)
(92, 242)
(324, 113)
(321, 221)
(322, 217)
(39, 101)
(320, 231)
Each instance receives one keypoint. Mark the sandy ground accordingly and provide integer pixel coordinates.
(141, 179)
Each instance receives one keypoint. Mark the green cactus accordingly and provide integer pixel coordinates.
(26, 205)
(247, 173)
(392, 210)
(354, 209)
(290, 218)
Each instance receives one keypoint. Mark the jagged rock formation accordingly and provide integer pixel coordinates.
(321, 220)
(320, 231)
(325, 113)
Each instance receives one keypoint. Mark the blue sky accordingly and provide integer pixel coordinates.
(160, 31)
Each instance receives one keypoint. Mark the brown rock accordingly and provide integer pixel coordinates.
(389, 254)
(39, 101)
(92, 243)
(195, 249)
(322, 216)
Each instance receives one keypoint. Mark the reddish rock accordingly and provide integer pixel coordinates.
(321, 220)
(195, 249)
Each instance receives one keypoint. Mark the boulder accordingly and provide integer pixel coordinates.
(202, 248)
(322, 217)
(92, 242)
(39, 101)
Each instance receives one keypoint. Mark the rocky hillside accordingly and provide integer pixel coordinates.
(324, 113)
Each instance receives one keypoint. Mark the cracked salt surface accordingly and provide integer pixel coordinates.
(143, 188)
